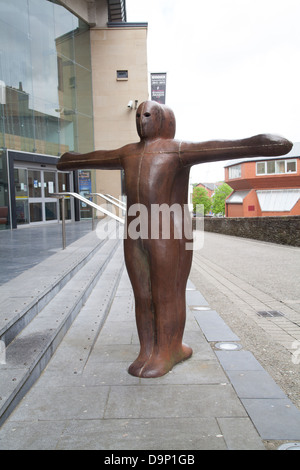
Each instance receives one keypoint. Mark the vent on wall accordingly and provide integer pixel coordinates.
(116, 11)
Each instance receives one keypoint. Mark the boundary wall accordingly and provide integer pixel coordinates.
(282, 230)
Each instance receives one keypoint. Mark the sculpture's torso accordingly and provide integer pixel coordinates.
(154, 174)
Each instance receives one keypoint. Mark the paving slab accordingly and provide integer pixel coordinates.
(214, 327)
(254, 384)
(199, 433)
(238, 360)
(275, 419)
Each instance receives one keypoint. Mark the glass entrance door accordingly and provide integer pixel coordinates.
(41, 185)
(34, 188)
(35, 195)
(49, 189)
(21, 191)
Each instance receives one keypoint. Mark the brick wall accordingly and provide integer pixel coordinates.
(282, 230)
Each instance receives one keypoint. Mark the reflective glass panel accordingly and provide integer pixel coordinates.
(51, 210)
(34, 183)
(280, 166)
(270, 167)
(260, 168)
(36, 212)
(21, 188)
(291, 166)
(63, 182)
(4, 199)
(22, 211)
(49, 183)
(45, 75)
(64, 186)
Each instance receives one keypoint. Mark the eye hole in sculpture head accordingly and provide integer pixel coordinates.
(147, 114)
(138, 115)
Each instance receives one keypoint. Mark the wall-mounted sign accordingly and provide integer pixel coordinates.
(158, 87)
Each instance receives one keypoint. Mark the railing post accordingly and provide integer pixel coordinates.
(63, 222)
(93, 224)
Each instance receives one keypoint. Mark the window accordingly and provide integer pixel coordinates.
(276, 167)
(260, 168)
(271, 167)
(291, 166)
(122, 74)
(280, 167)
(235, 171)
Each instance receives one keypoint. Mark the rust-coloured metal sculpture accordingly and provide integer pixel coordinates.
(157, 172)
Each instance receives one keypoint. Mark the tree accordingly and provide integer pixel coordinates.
(200, 196)
(219, 197)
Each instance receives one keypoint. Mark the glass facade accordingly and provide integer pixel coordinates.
(45, 95)
(45, 73)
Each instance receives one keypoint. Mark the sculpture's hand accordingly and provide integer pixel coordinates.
(258, 145)
(68, 161)
(269, 145)
(105, 159)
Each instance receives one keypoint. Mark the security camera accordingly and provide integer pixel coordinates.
(130, 104)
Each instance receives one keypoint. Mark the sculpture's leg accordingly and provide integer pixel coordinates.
(137, 264)
(170, 265)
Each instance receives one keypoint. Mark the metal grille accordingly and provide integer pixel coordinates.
(270, 313)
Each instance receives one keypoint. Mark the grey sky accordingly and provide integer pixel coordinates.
(232, 67)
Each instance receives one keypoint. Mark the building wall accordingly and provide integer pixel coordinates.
(251, 205)
(114, 49)
(294, 211)
(249, 179)
(251, 208)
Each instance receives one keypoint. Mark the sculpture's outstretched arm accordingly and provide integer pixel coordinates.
(211, 151)
(102, 159)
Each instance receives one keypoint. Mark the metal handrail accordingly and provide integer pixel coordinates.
(109, 198)
(92, 204)
(86, 201)
(118, 200)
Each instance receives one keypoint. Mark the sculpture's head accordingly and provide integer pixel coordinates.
(155, 120)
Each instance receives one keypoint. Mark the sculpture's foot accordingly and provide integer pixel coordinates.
(136, 367)
(160, 364)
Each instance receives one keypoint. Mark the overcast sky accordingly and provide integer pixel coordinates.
(233, 67)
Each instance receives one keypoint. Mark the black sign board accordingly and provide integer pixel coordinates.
(158, 87)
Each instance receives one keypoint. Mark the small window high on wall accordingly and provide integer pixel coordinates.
(235, 171)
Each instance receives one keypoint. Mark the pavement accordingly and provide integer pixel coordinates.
(260, 279)
(28, 246)
(220, 399)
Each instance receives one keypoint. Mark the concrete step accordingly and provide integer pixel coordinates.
(30, 350)
(25, 296)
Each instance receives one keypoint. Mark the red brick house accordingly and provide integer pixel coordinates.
(264, 186)
(210, 187)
